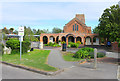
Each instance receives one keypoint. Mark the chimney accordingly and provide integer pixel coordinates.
(81, 17)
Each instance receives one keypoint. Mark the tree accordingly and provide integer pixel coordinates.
(28, 34)
(15, 32)
(56, 30)
(109, 24)
(11, 30)
(5, 30)
(34, 31)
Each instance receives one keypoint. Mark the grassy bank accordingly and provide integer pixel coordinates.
(36, 59)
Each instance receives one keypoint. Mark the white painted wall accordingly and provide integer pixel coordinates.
(97, 41)
(88, 41)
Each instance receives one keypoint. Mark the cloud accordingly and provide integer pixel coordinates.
(50, 13)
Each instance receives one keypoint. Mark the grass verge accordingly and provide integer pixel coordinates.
(36, 59)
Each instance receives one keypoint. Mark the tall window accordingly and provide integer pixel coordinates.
(77, 27)
(73, 27)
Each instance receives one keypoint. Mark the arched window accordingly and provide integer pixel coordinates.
(77, 27)
(73, 27)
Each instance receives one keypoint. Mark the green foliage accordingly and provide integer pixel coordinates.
(25, 46)
(68, 46)
(99, 55)
(81, 54)
(53, 44)
(76, 45)
(109, 26)
(15, 45)
(78, 42)
(87, 49)
(67, 56)
(56, 30)
(36, 59)
(5, 30)
(63, 42)
(119, 45)
(1, 48)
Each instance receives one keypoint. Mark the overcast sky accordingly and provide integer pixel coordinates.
(46, 15)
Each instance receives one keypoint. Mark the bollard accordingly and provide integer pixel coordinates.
(95, 58)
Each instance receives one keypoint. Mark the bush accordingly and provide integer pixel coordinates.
(25, 46)
(63, 42)
(73, 44)
(87, 49)
(119, 44)
(78, 42)
(99, 55)
(46, 45)
(53, 44)
(1, 48)
(68, 46)
(81, 54)
(50, 44)
(15, 45)
(76, 45)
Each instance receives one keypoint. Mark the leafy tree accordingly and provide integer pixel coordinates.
(15, 32)
(5, 30)
(11, 30)
(28, 34)
(34, 31)
(109, 24)
(56, 30)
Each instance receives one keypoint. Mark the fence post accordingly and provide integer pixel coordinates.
(95, 58)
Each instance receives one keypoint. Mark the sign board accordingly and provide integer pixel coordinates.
(21, 31)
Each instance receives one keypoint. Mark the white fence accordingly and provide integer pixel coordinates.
(35, 44)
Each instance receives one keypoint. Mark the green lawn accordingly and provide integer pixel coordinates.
(67, 56)
(36, 59)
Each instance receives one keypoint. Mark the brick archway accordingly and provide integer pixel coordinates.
(78, 39)
(63, 38)
(88, 40)
(52, 39)
(45, 39)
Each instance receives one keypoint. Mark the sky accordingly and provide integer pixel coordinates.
(47, 15)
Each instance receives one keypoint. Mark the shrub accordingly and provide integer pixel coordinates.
(119, 44)
(81, 54)
(68, 46)
(50, 43)
(78, 42)
(76, 45)
(63, 42)
(99, 55)
(73, 44)
(15, 45)
(25, 46)
(1, 48)
(53, 44)
(46, 45)
(87, 49)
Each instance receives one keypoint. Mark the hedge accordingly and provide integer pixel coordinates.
(15, 45)
(73, 44)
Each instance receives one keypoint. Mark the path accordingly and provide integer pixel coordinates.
(55, 59)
